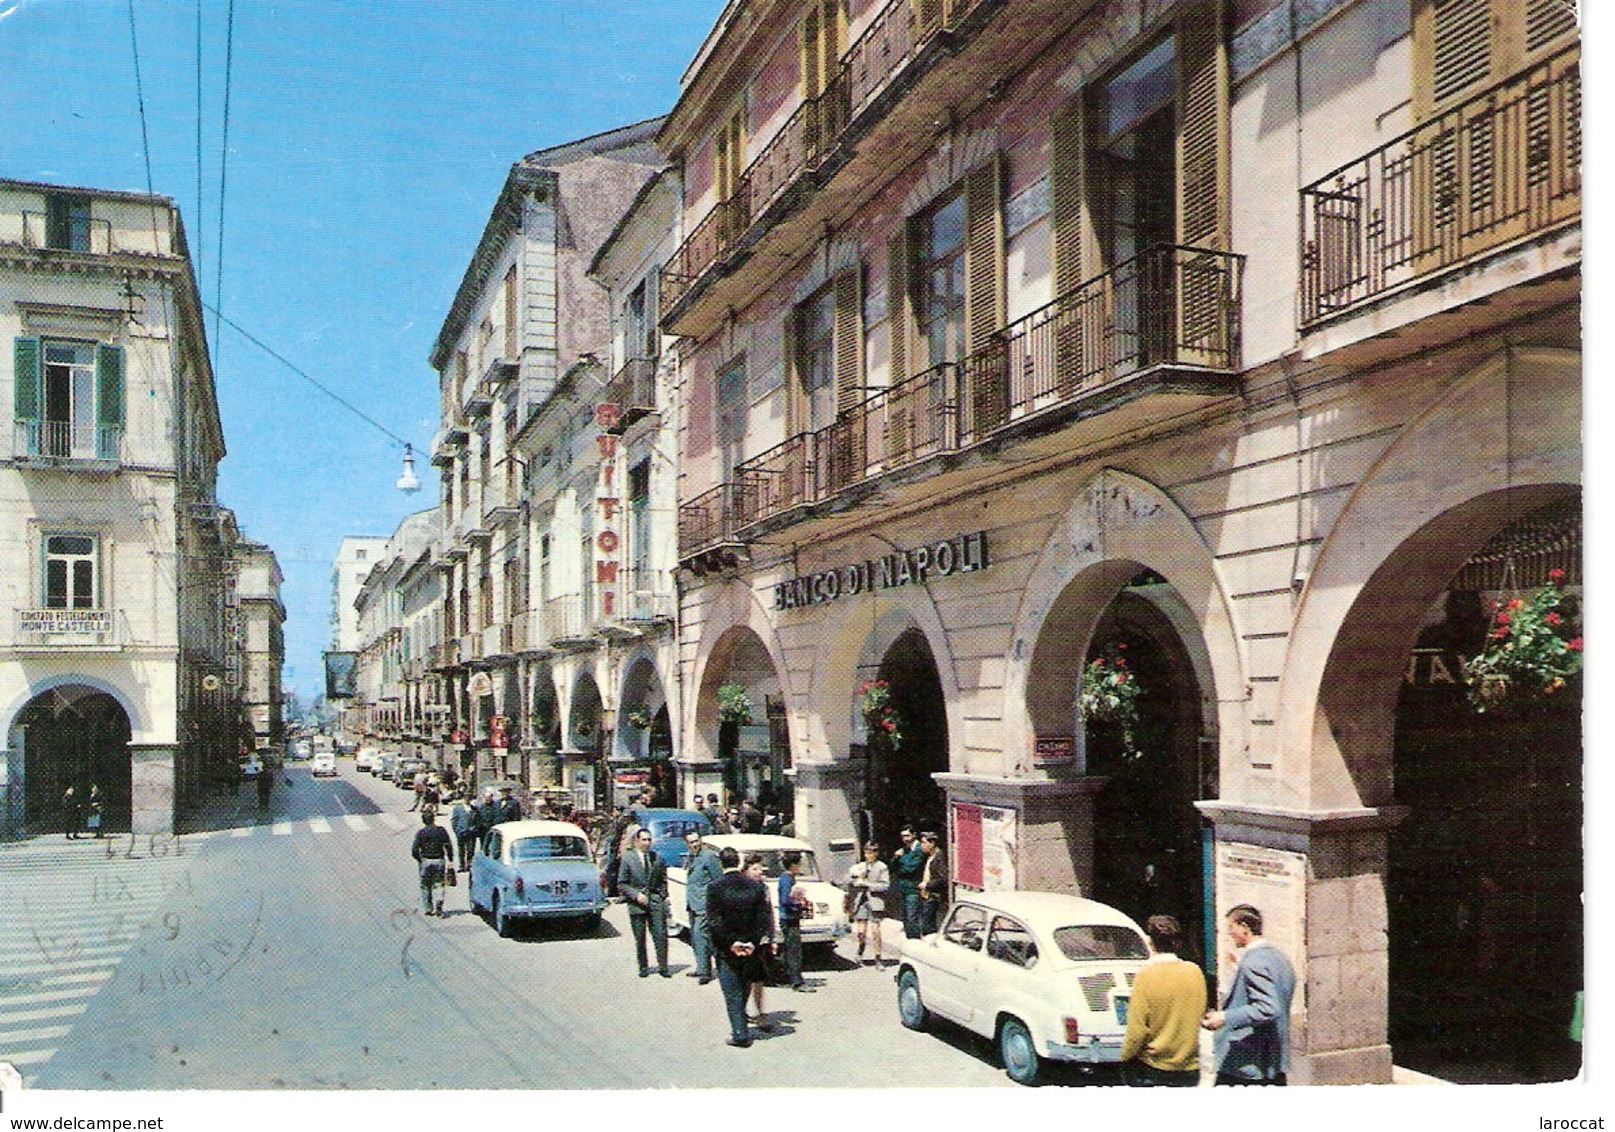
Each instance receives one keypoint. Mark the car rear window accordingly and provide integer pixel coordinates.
(1100, 941)
(664, 829)
(548, 847)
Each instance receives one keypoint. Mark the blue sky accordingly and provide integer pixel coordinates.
(367, 143)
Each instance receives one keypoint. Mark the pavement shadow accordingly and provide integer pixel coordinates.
(297, 796)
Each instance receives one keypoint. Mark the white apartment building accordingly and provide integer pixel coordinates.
(113, 659)
(260, 638)
(385, 644)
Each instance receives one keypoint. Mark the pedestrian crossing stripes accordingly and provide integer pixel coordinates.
(61, 942)
(354, 823)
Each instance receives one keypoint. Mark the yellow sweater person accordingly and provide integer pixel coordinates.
(1162, 1045)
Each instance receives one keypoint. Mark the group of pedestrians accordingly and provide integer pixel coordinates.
(83, 813)
(471, 821)
(919, 873)
(1167, 1010)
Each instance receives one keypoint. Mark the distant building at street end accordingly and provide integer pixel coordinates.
(400, 624)
(115, 653)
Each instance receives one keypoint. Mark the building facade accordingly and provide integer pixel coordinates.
(525, 324)
(394, 632)
(1230, 346)
(115, 659)
(260, 649)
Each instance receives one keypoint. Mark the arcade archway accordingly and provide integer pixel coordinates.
(752, 745)
(74, 736)
(899, 788)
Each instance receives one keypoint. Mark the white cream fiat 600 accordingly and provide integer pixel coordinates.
(1045, 975)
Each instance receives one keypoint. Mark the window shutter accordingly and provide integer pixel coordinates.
(927, 17)
(849, 339)
(1547, 21)
(811, 81)
(797, 415)
(26, 379)
(109, 386)
(1202, 128)
(1074, 240)
(899, 300)
(984, 253)
(653, 314)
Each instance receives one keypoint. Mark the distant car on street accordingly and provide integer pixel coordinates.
(406, 770)
(323, 766)
(668, 829)
(1044, 975)
(365, 759)
(536, 870)
(823, 922)
(386, 763)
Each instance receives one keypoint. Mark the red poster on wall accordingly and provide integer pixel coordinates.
(967, 844)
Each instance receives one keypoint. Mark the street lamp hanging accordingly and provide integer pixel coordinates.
(408, 483)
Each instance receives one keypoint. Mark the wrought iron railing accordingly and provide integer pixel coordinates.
(567, 619)
(709, 520)
(1167, 306)
(866, 69)
(633, 390)
(1500, 167)
(776, 480)
(69, 440)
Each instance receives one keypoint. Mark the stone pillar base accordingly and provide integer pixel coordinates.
(698, 779)
(827, 798)
(1053, 820)
(151, 807)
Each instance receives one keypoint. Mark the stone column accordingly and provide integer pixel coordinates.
(827, 796)
(11, 794)
(1318, 877)
(152, 787)
(1053, 821)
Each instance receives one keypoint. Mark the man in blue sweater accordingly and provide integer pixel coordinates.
(1253, 1027)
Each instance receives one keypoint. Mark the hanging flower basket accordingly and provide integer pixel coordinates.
(880, 717)
(734, 705)
(639, 719)
(1532, 650)
(1109, 693)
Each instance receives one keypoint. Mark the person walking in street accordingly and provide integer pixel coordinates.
(510, 808)
(701, 869)
(266, 784)
(867, 884)
(711, 812)
(907, 865)
(644, 887)
(94, 811)
(433, 853)
(1162, 1043)
(792, 902)
(933, 886)
(490, 818)
(752, 870)
(418, 784)
(742, 926)
(70, 814)
(1253, 1027)
(463, 821)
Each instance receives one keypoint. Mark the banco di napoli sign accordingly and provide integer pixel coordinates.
(962, 554)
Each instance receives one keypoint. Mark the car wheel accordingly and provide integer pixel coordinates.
(471, 896)
(591, 922)
(1018, 1052)
(910, 1006)
(501, 922)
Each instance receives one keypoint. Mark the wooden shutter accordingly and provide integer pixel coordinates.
(653, 319)
(109, 386)
(1453, 52)
(25, 389)
(899, 300)
(849, 339)
(927, 17)
(1075, 242)
(986, 365)
(1199, 283)
(811, 54)
(798, 417)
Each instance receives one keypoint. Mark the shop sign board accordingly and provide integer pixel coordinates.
(1050, 750)
(962, 554)
(984, 843)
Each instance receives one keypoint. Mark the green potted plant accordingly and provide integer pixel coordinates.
(880, 717)
(1533, 649)
(1109, 693)
(639, 719)
(734, 705)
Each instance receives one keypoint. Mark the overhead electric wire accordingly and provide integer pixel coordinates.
(224, 164)
(199, 132)
(302, 373)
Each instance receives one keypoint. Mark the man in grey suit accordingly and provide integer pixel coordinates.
(643, 884)
(1253, 1027)
(701, 868)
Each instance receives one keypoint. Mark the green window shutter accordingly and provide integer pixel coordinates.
(899, 308)
(25, 371)
(984, 253)
(109, 386)
(849, 339)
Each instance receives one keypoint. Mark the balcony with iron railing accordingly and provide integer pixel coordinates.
(93, 236)
(643, 598)
(69, 444)
(1493, 172)
(567, 622)
(1157, 333)
(633, 390)
(897, 49)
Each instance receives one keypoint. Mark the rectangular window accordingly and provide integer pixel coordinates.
(731, 415)
(639, 529)
(941, 297)
(512, 352)
(71, 568)
(67, 222)
(815, 345)
(68, 426)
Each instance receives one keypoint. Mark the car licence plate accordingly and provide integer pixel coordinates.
(1121, 1009)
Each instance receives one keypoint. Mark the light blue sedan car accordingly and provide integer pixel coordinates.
(536, 870)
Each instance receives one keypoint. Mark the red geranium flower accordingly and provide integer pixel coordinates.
(1574, 645)
(1554, 620)
(1556, 576)
(1504, 620)
(1517, 603)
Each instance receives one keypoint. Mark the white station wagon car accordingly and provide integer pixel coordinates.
(536, 870)
(1045, 975)
(822, 924)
